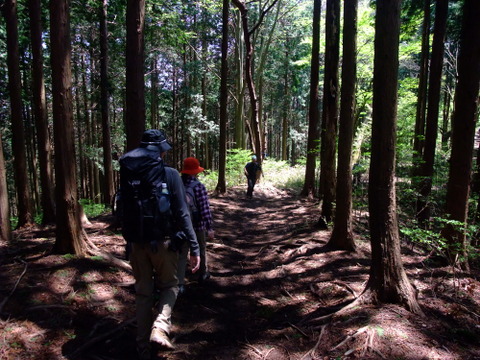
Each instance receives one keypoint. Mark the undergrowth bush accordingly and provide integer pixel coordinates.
(276, 172)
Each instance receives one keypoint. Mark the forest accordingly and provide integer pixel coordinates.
(364, 235)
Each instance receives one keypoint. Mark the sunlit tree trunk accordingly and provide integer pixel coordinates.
(221, 185)
(342, 235)
(239, 138)
(5, 227)
(463, 131)
(418, 137)
(313, 112)
(69, 232)
(330, 110)
(25, 217)
(108, 189)
(135, 86)
(41, 121)
(431, 130)
(388, 282)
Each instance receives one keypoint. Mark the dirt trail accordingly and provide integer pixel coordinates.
(271, 277)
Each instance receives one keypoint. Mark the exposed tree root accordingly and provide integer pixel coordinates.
(93, 250)
(348, 287)
(311, 354)
(368, 344)
(366, 298)
(97, 339)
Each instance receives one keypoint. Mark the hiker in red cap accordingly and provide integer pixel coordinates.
(199, 205)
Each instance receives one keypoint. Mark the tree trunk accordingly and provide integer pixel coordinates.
(25, 217)
(41, 120)
(135, 86)
(434, 88)
(330, 110)
(463, 130)
(255, 121)
(418, 137)
(222, 161)
(388, 282)
(240, 87)
(108, 190)
(5, 227)
(69, 232)
(313, 112)
(342, 235)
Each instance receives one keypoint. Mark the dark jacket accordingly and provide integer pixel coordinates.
(147, 163)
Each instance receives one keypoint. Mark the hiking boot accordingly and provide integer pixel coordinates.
(160, 338)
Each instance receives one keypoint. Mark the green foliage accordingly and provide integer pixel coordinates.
(431, 239)
(91, 209)
(283, 176)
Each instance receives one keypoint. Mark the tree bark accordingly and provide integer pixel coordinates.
(25, 217)
(239, 87)
(69, 232)
(330, 110)
(313, 112)
(222, 161)
(5, 227)
(418, 137)
(41, 120)
(388, 282)
(463, 131)
(135, 86)
(255, 121)
(342, 235)
(434, 88)
(108, 190)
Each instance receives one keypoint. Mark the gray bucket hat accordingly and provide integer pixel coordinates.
(156, 138)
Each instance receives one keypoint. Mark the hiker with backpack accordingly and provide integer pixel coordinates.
(199, 205)
(155, 223)
(252, 171)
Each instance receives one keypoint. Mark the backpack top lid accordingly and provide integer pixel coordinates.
(143, 162)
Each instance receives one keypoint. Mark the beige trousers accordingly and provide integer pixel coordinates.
(150, 268)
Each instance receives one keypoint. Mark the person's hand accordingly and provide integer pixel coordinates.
(211, 234)
(194, 263)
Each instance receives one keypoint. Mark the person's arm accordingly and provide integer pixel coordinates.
(180, 210)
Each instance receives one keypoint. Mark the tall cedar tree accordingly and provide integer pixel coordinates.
(40, 109)
(418, 138)
(25, 217)
(222, 156)
(463, 130)
(434, 88)
(135, 85)
(69, 232)
(5, 227)
(388, 282)
(254, 120)
(342, 235)
(313, 112)
(108, 189)
(330, 111)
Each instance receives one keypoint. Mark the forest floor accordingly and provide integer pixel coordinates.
(272, 278)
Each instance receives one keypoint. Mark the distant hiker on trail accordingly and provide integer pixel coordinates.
(252, 171)
(197, 200)
(156, 222)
